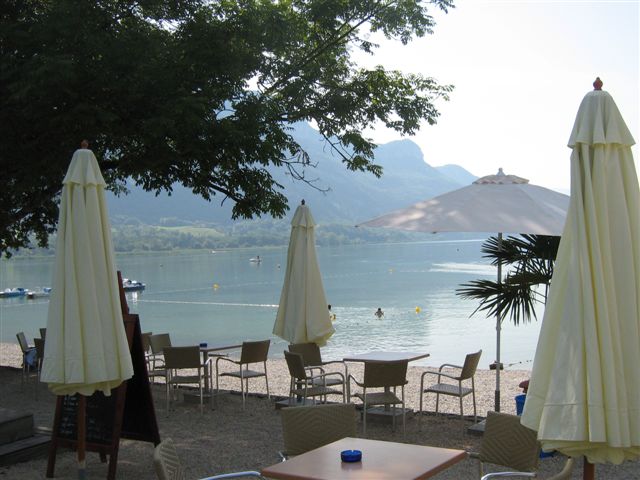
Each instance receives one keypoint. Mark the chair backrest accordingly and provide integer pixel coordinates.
(182, 357)
(508, 443)
(43, 333)
(310, 353)
(309, 427)
(159, 341)
(166, 461)
(39, 343)
(385, 374)
(253, 352)
(22, 341)
(295, 363)
(146, 341)
(470, 365)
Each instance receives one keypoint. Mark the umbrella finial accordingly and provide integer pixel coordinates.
(84, 144)
(597, 85)
(302, 203)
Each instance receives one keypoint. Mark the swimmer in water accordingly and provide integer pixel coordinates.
(379, 313)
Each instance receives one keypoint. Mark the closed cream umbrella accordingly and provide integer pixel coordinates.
(303, 314)
(86, 348)
(584, 393)
(494, 203)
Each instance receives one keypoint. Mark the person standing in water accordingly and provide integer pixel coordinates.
(379, 313)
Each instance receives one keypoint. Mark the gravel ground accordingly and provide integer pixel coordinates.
(228, 439)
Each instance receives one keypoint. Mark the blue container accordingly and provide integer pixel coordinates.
(520, 403)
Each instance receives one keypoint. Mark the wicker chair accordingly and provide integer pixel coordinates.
(508, 443)
(309, 427)
(313, 360)
(155, 359)
(306, 385)
(29, 356)
(168, 467)
(385, 375)
(252, 352)
(467, 372)
(185, 358)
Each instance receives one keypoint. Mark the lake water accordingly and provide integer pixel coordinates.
(414, 284)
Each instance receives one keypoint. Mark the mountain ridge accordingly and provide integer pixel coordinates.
(350, 197)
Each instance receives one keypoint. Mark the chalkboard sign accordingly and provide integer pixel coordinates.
(127, 413)
(100, 413)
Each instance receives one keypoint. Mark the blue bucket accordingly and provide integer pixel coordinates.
(520, 403)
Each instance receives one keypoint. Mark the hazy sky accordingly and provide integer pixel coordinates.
(520, 69)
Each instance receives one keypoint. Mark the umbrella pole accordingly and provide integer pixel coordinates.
(498, 330)
(588, 470)
(82, 432)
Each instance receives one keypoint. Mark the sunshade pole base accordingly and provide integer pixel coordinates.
(588, 470)
(82, 432)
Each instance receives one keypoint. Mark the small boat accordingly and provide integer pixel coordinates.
(39, 292)
(255, 259)
(13, 292)
(132, 285)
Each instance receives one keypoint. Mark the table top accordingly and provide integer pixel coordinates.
(217, 348)
(380, 461)
(385, 356)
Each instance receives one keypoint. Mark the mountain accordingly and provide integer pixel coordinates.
(350, 197)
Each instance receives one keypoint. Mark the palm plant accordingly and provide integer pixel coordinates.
(529, 263)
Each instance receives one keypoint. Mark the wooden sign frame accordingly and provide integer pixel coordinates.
(97, 423)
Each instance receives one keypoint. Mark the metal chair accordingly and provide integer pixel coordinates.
(312, 359)
(168, 467)
(312, 426)
(508, 443)
(252, 352)
(308, 385)
(467, 372)
(43, 333)
(39, 345)
(385, 375)
(184, 358)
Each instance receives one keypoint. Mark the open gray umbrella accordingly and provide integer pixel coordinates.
(495, 203)
(584, 393)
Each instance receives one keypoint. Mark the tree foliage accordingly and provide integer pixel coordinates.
(196, 92)
(529, 261)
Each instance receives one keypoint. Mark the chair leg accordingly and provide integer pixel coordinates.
(473, 394)
(437, 402)
(404, 416)
(266, 379)
(364, 415)
(461, 410)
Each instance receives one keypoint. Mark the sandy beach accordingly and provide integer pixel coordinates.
(226, 438)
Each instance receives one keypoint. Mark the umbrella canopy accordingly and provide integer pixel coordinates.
(86, 348)
(302, 313)
(494, 203)
(584, 393)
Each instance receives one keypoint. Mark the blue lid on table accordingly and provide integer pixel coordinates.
(351, 455)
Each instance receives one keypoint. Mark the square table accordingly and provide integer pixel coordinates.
(382, 356)
(204, 351)
(380, 461)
